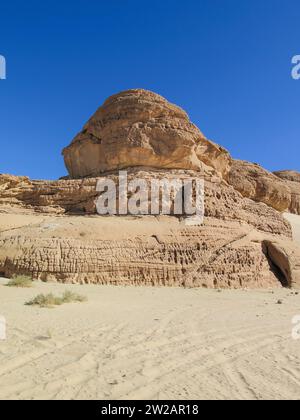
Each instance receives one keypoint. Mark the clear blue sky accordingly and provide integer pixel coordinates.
(226, 62)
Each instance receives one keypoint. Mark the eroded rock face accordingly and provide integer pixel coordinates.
(254, 182)
(51, 230)
(293, 176)
(292, 180)
(138, 128)
(286, 257)
(123, 251)
(222, 202)
(41, 236)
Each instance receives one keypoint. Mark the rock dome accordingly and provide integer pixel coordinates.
(138, 128)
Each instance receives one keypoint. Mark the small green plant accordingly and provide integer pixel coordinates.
(20, 281)
(50, 301)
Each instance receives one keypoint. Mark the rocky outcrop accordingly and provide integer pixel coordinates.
(140, 251)
(69, 197)
(51, 229)
(288, 175)
(285, 256)
(138, 128)
(50, 239)
(254, 182)
(56, 197)
(292, 181)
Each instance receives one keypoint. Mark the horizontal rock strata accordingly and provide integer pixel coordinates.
(51, 230)
(137, 252)
(140, 128)
(292, 180)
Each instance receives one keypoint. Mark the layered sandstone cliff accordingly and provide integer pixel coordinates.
(255, 182)
(136, 251)
(292, 180)
(51, 229)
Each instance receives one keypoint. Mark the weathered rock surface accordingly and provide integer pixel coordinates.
(51, 230)
(288, 175)
(138, 128)
(292, 180)
(141, 251)
(285, 256)
(79, 196)
(254, 182)
(227, 251)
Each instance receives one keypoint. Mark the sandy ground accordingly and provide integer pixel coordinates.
(151, 343)
(143, 343)
(295, 222)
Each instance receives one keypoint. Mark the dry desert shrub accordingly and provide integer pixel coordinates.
(50, 300)
(20, 281)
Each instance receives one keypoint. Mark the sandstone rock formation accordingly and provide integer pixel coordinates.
(42, 236)
(280, 190)
(51, 230)
(69, 197)
(288, 175)
(138, 128)
(292, 180)
(254, 182)
(285, 257)
(140, 251)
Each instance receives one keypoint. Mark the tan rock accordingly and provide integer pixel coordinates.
(140, 128)
(141, 251)
(288, 175)
(285, 256)
(244, 241)
(79, 196)
(292, 180)
(254, 182)
(225, 252)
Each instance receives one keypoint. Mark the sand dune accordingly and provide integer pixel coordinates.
(136, 343)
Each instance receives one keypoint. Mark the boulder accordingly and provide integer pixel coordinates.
(293, 176)
(285, 257)
(138, 128)
(292, 181)
(255, 182)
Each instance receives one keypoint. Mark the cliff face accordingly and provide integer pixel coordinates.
(292, 180)
(127, 251)
(138, 128)
(44, 234)
(254, 182)
(51, 229)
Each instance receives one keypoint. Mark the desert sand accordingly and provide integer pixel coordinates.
(151, 343)
(144, 343)
(295, 222)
